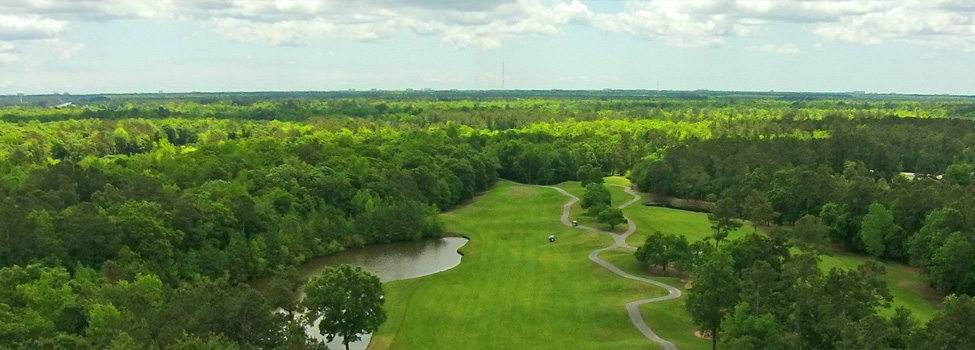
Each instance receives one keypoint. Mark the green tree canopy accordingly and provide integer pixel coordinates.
(346, 301)
(723, 219)
(876, 225)
(714, 294)
(662, 250)
(596, 196)
(611, 217)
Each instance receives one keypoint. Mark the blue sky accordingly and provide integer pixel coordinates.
(84, 46)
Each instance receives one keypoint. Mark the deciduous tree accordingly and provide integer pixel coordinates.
(714, 294)
(347, 301)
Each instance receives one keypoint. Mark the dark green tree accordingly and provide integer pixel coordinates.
(950, 327)
(723, 219)
(745, 331)
(714, 294)
(662, 250)
(282, 290)
(347, 300)
(596, 196)
(952, 267)
(758, 209)
(611, 217)
(960, 174)
(588, 174)
(810, 234)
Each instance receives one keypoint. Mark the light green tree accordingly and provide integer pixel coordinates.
(875, 226)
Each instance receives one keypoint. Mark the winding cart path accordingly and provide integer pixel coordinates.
(619, 241)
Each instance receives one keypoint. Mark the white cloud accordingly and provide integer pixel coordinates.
(943, 23)
(462, 23)
(679, 23)
(94, 10)
(29, 27)
(488, 23)
(786, 49)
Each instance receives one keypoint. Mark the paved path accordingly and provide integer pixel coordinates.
(633, 307)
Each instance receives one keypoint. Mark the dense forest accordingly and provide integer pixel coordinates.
(124, 213)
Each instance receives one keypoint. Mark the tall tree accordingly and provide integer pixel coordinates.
(714, 294)
(347, 300)
(723, 220)
(758, 209)
(876, 225)
(595, 199)
(810, 234)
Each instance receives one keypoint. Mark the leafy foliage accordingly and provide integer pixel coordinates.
(662, 250)
(611, 217)
(345, 301)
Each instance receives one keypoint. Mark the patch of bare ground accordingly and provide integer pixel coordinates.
(702, 335)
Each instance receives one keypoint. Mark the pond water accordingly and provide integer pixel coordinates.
(391, 262)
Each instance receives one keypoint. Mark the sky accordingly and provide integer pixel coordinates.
(121, 46)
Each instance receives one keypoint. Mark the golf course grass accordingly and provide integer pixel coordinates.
(514, 289)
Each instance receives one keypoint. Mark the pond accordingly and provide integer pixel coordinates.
(391, 262)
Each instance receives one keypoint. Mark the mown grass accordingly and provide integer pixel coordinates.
(668, 318)
(514, 289)
(618, 197)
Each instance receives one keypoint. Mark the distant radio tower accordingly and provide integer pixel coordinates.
(502, 75)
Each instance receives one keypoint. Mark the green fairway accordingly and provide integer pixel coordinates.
(667, 318)
(514, 289)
